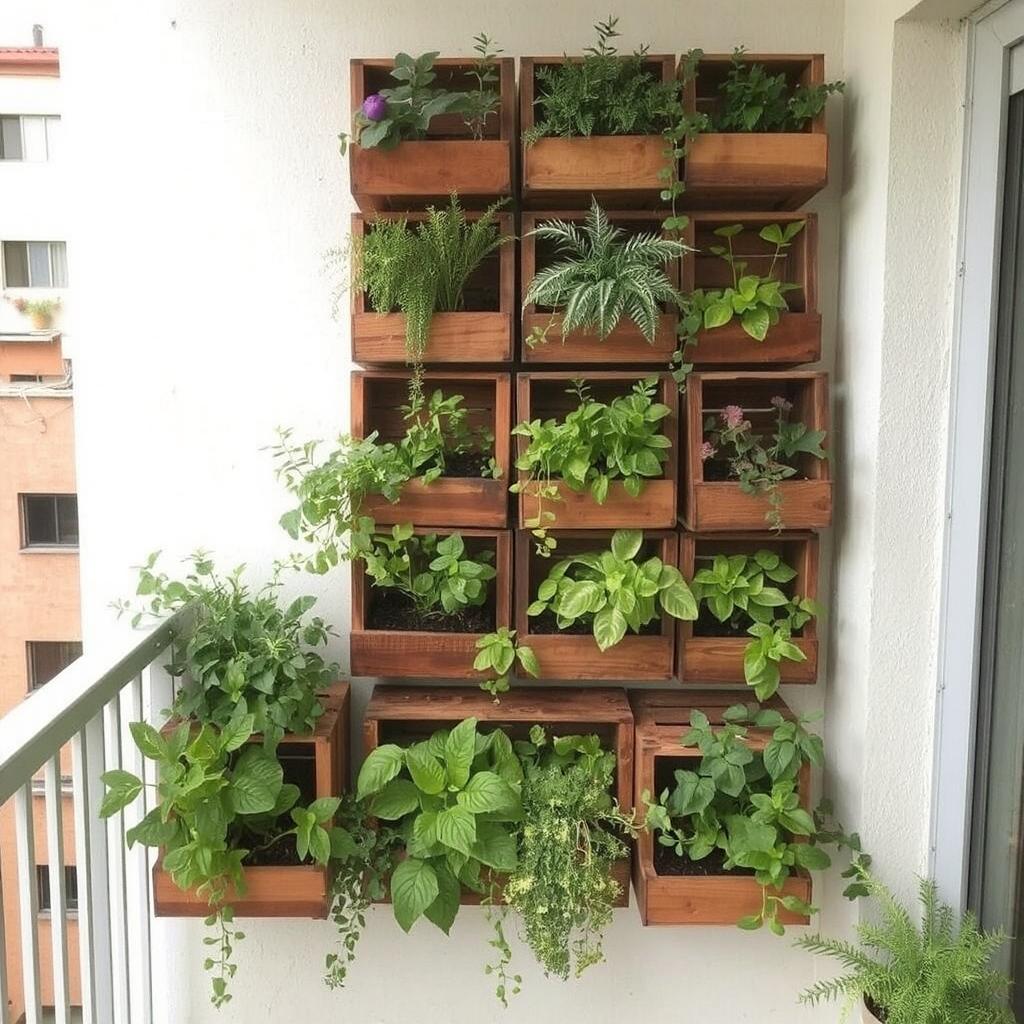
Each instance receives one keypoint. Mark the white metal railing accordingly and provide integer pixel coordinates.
(88, 706)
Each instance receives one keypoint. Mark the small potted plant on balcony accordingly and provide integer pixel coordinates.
(40, 312)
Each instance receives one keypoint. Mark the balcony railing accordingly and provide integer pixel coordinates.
(87, 706)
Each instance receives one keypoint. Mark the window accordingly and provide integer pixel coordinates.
(49, 520)
(26, 378)
(35, 265)
(29, 137)
(70, 888)
(47, 658)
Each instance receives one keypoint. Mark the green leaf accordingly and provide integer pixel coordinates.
(679, 602)
(426, 770)
(255, 782)
(486, 791)
(238, 729)
(456, 829)
(414, 886)
(445, 908)
(756, 323)
(397, 799)
(577, 598)
(153, 830)
(626, 544)
(609, 627)
(459, 750)
(150, 743)
(494, 846)
(528, 660)
(382, 764)
(814, 858)
(717, 314)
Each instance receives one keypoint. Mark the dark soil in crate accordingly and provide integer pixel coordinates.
(391, 610)
(667, 863)
(717, 471)
(547, 625)
(464, 464)
(709, 626)
(282, 854)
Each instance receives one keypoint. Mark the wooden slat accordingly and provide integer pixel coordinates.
(28, 903)
(54, 801)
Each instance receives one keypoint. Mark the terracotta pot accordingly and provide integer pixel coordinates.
(41, 321)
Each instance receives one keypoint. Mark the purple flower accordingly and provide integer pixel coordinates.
(707, 451)
(732, 416)
(375, 107)
(780, 403)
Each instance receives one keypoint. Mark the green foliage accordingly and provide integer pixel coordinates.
(612, 592)
(604, 274)
(744, 802)
(760, 467)
(752, 100)
(936, 971)
(485, 99)
(572, 834)
(603, 93)
(244, 650)
(736, 589)
(496, 654)
(595, 444)
(431, 573)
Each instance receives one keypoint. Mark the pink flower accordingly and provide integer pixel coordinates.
(707, 451)
(732, 415)
(780, 403)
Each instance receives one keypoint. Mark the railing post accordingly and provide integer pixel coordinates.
(54, 800)
(24, 828)
(5, 993)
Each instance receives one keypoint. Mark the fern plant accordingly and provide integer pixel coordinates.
(602, 275)
(935, 972)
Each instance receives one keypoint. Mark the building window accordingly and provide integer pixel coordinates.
(29, 137)
(47, 658)
(26, 378)
(70, 888)
(49, 520)
(35, 265)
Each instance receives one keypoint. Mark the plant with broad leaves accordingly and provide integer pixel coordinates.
(743, 801)
(613, 592)
(596, 443)
(244, 648)
(497, 652)
(737, 590)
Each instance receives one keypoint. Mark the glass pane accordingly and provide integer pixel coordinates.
(59, 264)
(40, 519)
(33, 131)
(10, 138)
(67, 519)
(15, 265)
(54, 134)
(39, 264)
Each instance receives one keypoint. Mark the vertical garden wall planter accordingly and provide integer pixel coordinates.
(479, 334)
(451, 501)
(755, 170)
(712, 504)
(403, 714)
(708, 653)
(387, 652)
(661, 718)
(619, 170)
(543, 396)
(575, 655)
(318, 765)
(796, 338)
(625, 344)
(415, 173)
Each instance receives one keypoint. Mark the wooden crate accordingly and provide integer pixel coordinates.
(574, 656)
(755, 170)
(408, 654)
(621, 171)
(661, 718)
(416, 173)
(713, 659)
(479, 335)
(404, 714)
(543, 396)
(721, 505)
(288, 890)
(455, 502)
(796, 338)
(625, 345)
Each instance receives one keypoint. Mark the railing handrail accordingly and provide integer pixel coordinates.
(41, 724)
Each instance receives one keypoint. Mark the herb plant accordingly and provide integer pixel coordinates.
(737, 590)
(603, 275)
(610, 591)
(730, 439)
(497, 652)
(484, 100)
(744, 803)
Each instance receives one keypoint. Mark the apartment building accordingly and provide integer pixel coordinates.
(39, 583)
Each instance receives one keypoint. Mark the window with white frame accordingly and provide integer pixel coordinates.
(35, 265)
(33, 137)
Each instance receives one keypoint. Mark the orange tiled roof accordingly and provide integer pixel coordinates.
(29, 60)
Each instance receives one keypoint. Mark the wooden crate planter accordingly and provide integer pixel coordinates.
(453, 502)
(478, 335)
(755, 170)
(625, 345)
(404, 654)
(543, 396)
(721, 505)
(416, 173)
(661, 718)
(716, 659)
(643, 657)
(318, 763)
(619, 170)
(404, 714)
(796, 338)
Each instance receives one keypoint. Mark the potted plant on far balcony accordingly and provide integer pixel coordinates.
(40, 312)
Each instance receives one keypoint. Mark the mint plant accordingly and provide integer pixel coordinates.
(497, 653)
(611, 592)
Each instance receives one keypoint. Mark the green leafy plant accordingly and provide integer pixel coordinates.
(936, 971)
(737, 590)
(752, 100)
(572, 834)
(497, 652)
(596, 443)
(611, 592)
(602, 275)
(38, 308)
(244, 648)
(484, 100)
(744, 802)
(729, 438)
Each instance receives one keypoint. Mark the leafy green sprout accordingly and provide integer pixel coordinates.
(497, 654)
